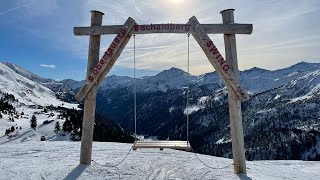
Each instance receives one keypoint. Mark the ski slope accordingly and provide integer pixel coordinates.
(60, 160)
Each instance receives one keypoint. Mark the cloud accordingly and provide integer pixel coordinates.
(12, 9)
(48, 65)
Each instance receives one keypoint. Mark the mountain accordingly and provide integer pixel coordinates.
(22, 98)
(59, 89)
(27, 91)
(256, 80)
(281, 118)
(27, 74)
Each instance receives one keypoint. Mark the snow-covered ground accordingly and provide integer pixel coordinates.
(24, 156)
(60, 160)
(24, 122)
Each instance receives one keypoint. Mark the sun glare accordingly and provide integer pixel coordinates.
(177, 1)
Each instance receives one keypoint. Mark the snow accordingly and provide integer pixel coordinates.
(191, 109)
(24, 156)
(171, 109)
(24, 123)
(27, 91)
(277, 97)
(60, 160)
(203, 99)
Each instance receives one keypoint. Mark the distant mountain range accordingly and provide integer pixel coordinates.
(281, 119)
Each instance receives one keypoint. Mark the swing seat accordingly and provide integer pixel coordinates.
(179, 145)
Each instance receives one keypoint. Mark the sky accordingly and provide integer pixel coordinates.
(38, 34)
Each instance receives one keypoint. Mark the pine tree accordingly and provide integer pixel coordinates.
(67, 126)
(57, 128)
(12, 129)
(33, 122)
(8, 131)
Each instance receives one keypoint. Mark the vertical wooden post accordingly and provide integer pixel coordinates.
(234, 101)
(90, 99)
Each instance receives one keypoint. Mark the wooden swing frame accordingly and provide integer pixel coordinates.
(226, 69)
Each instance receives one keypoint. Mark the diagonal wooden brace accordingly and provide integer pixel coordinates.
(216, 58)
(114, 59)
(107, 58)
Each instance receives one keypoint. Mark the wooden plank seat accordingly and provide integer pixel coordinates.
(180, 145)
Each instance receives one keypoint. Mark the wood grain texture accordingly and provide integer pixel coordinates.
(208, 28)
(238, 150)
(227, 76)
(182, 145)
(90, 99)
(106, 59)
(114, 59)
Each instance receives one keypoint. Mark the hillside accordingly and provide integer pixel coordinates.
(281, 119)
(24, 95)
(283, 110)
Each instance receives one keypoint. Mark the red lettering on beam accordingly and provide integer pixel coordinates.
(98, 66)
(214, 50)
(116, 40)
(113, 45)
(187, 27)
(209, 43)
(226, 67)
(221, 61)
(90, 78)
(136, 27)
(153, 27)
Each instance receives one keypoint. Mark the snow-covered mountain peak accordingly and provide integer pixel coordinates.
(255, 70)
(27, 74)
(306, 66)
(27, 91)
(171, 73)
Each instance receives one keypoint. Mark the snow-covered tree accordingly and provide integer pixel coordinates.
(57, 128)
(33, 122)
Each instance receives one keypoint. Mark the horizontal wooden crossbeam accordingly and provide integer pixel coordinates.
(166, 28)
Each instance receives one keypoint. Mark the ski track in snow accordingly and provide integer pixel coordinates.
(60, 160)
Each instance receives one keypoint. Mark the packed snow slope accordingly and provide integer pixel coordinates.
(29, 92)
(60, 160)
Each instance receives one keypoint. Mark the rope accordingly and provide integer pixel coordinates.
(135, 86)
(187, 104)
(208, 165)
(115, 165)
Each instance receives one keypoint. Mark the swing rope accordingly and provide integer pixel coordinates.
(135, 86)
(187, 104)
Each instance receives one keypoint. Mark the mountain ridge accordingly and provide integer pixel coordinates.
(280, 119)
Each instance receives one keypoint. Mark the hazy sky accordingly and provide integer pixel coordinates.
(38, 34)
